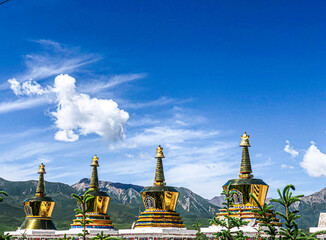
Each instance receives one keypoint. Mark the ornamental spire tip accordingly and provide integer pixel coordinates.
(95, 161)
(245, 140)
(159, 152)
(42, 169)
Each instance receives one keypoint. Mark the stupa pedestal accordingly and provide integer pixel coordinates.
(151, 233)
(321, 226)
(247, 230)
(32, 234)
(36, 234)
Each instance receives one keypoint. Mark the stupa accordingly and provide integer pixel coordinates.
(240, 189)
(160, 201)
(38, 223)
(38, 209)
(159, 220)
(99, 204)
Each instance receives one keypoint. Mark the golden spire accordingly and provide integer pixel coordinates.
(245, 170)
(159, 174)
(94, 179)
(40, 186)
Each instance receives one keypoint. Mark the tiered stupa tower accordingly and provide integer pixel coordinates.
(99, 204)
(160, 201)
(38, 209)
(245, 184)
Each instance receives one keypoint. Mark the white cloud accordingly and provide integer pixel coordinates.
(167, 135)
(66, 136)
(287, 166)
(158, 102)
(314, 162)
(289, 149)
(28, 87)
(263, 164)
(22, 104)
(55, 60)
(111, 82)
(79, 114)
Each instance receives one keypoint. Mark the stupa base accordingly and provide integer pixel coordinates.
(99, 221)
(250, 232)
(38, 224)
(159, 219)
(145, 233)
(56, 234)
(321, 226)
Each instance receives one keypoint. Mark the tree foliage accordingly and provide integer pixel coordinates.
(228, 223)
(3, 193)
(267, 219)
(101, 236)
(82, 201)
(6, 237)
(199, 235)
(65, 237)
(291, 231)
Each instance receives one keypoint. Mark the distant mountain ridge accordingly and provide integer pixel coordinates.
(129, 193)
(217, 201)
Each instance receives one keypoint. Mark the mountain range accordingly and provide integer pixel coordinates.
(124, 208)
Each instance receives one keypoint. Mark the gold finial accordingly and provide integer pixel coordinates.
(42, 169)
(95, 161)
(245, 140)
(159, 152)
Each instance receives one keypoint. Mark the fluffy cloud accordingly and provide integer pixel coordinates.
(26, 88)
(314, 161)
(289, 149)
(79, 114)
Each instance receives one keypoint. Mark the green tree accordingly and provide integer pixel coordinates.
(267, 220)
(82, 201)
(65, 237)
(291, 230)
(229, 222)
(6, 237)
(197, 226)
(101, 236)
(199, 235)
(3, 193)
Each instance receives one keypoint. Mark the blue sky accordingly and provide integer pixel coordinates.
(189, 75)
